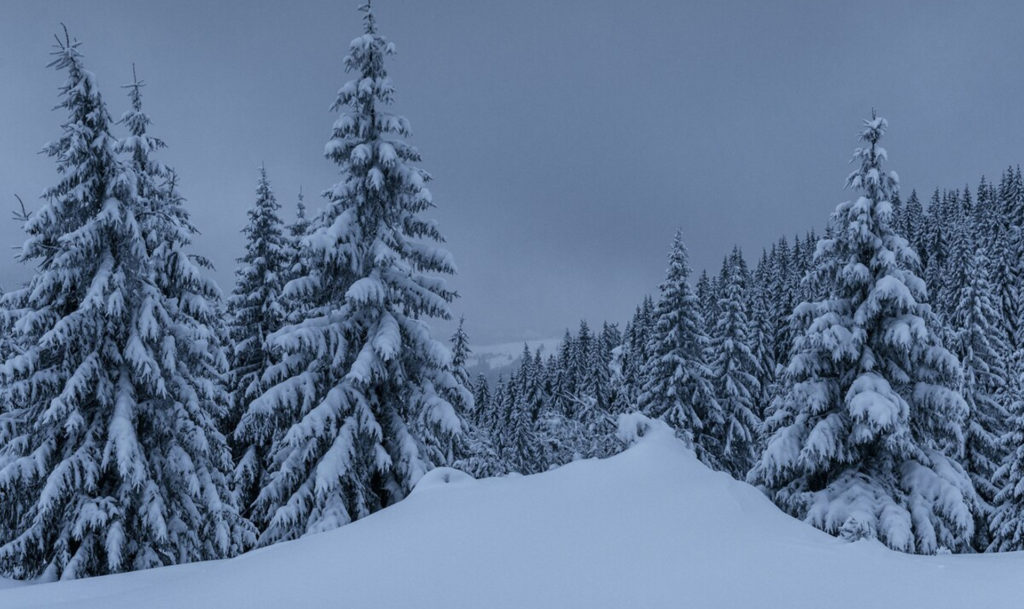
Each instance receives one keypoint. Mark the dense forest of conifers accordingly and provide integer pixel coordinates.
(867, 380)
(730, 363)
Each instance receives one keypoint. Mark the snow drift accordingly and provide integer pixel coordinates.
(651, 527)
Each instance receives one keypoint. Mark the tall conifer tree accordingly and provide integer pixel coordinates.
(111, 458)
(869, 427)
(356, 407)
(677, 386)
(255, 311)
(735, 371)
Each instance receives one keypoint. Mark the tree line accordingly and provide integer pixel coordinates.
(868, 380)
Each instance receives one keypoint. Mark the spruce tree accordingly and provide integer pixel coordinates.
(474, 452)
(606, 369)
(530, 449)
(677, 386)
(1006, 522)
(295, 267)
(1008, 260)
(483, 412)
(255, 311)
(355, 408)
(869, 427)
(783, 300)
(632, 357)
(761, 334)
(911, 221)
(976, 340)
(707, 301)
(735, 372)
(192, 341)
(111, 459)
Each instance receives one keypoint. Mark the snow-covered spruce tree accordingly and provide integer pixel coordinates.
(527, 446)
(190, 337)
(483, 408)
(298, 229)
(295, 266)
(783, 282)
(707, 301)
(254, 312)
(355, 405)
(111, 456)
(474, 452)
(1006, 522)
(735, 372)
(605, 369)
(868, 427)
(1008, 260)
(977, 340)
(677, 386)
(565, 384)
(633, 356)
(910, 220)
(761, 334)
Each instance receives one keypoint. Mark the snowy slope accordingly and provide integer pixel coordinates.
(649, 528)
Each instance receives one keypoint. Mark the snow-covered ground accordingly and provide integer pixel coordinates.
(649, 528)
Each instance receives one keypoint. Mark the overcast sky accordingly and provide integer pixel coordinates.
(567, 139)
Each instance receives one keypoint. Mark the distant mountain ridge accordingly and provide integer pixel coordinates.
(499, 360)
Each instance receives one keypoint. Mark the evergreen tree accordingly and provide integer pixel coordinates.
(111, 459)
(255, 311)
(935, 248)
(524, 450)
(630, 357)
(295, 267)
(1006, 523)
(783, 300)
(355, 408)
(1008, 260)
(707, 301)
(483, 413)
(868, 428)
(735, 371)
(977, 342)
(581, 360)
(474, 452)
(911, 221)
(298, 229)
(760, 333)
(677, 386)
(566, 382)
(606, 371)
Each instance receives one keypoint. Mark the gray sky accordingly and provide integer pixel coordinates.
(567, 139)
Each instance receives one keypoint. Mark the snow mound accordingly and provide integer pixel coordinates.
(441, 477)
(634, 426)
(650, 528)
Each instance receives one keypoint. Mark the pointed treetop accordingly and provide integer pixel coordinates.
(135, 119)
(368, 20)
(878, 185)
(300, 208)
(679, 256)
(135, 93)
(66, 53)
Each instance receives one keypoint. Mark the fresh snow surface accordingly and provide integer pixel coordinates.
(649, 528)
